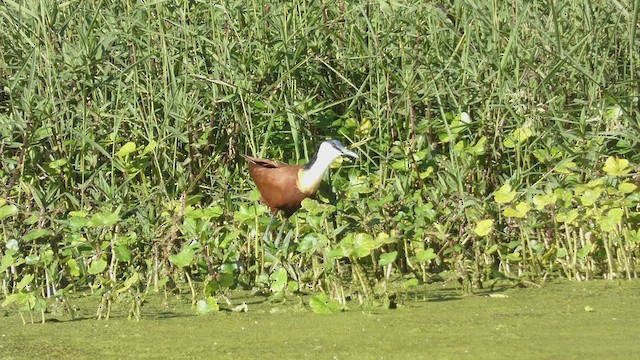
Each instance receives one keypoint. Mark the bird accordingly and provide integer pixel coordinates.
(283, 186)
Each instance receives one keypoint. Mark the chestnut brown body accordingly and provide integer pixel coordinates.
(278, 184)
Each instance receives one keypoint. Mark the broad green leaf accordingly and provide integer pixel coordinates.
(122, 253)
(518, 137)
(567, 217)
(308, 244)
(314, 207)
(483, 227)
(627, 187)
(590, 196)
(337, 253)
(321, 304)
(411, 283)
(279, 280)
(97, 266)
(387, 258)
(616, 167)
(362, 245)
(383, 239)
(8, 210)
(611, 220)
(519, 212)
(78, 222)
(402, 165)
(126, 149)
(9, 260)
(183, 258)
(541, 201)
(204, 307)
(105, 218)
(562, 253)
(32, 259)
(425, 256)
(20, 298)
(12, 246)
(565, 166)
(57, 163)
(479, 147)
(584, 251)
(504, 194)
(74, 269)
(514, 256)
(35, 234)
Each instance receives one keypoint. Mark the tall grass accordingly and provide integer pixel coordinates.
(123, 123)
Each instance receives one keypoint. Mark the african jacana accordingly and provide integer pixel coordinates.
(284, 186)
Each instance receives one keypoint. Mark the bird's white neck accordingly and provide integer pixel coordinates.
(309, 178)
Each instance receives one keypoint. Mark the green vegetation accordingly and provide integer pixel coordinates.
(497, 140)
(572, 320)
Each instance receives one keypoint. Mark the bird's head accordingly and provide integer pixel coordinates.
(332, 149)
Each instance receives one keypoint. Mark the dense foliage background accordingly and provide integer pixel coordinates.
(496, 139)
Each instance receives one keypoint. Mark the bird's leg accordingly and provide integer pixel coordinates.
(277, 242)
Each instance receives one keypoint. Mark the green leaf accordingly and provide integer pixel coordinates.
(279, 280)
(401, 165)
(562, 253)
(584, 251)
(611, 220)
(565, 166)
(411, 283)
(35, 234)
(78, 222)
(74, 269)
(126, 149)
(519, 212)
(8, 210)
(204, 307)
(504, 194)
(514, 256)
(387, 258)
(132, 280)
(31, 259)
(20, 298)
(105, 218)
(590, 196)
(243, 214)
(479, 147)
(149, 148)
(567, 217)
(26, 280)
(427, 255)
(517, 137)
(541, 201)
(320, 304)
(97, 266)
(358, 245)
(627, 187)
(308, 244)
(122, 253)
(483, 227)
(314, 207)
(616, 167)
(183, 258)
(57, 163)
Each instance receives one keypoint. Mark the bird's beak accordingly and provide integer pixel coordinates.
(349, 153)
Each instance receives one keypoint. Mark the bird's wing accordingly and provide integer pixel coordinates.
(263, 162)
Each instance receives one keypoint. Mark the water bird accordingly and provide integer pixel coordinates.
(283, 186)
